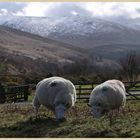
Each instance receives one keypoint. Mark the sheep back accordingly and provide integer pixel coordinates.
(55, 90)
(110, 94)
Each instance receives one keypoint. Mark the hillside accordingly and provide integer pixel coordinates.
(22, 49)
(73, 29)
(95, 35)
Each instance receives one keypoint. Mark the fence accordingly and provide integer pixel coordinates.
(14, 93)
(132, 89)
(21, 92)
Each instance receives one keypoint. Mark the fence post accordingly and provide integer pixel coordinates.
(2, 94)
(26, 93)
(92, 86)
(79, 91)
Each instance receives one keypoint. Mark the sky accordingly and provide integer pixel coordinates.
(49, 9)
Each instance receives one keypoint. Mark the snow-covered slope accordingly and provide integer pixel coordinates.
(111, 40)
(71, 25)
(76, 30)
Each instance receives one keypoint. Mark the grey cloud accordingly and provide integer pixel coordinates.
(66, 9)
(138, 10)
(12, 7)
(58, 9)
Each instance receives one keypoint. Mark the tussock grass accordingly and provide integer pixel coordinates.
(16, 120)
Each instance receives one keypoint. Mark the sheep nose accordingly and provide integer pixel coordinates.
(61, 119)
(60, 112)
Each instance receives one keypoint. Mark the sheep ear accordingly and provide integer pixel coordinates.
(89, 105)
(67, 104)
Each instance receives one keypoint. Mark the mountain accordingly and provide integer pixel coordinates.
(89, 33)
(23, 51)
(60, 40)
(74, 28)
(133, 23)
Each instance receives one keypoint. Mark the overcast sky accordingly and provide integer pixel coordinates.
(98, 9)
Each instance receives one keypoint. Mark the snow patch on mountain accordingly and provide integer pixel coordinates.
(74, 25)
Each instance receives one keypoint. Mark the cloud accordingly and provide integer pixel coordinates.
(43, 9)
(3, 11)
(108, 10)
(11, 6)
(52, 9)
(68, 9)
(34, 9)
(74, 13)
(114, 9)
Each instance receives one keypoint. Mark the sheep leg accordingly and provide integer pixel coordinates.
(35, 110)
(116, 112)
(75, 110)
(110, 117)
(123, 111)
(36, 105)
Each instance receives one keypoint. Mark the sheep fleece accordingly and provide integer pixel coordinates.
(110, 94)
(53, 91)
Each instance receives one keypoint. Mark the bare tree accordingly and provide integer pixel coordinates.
(130, 66)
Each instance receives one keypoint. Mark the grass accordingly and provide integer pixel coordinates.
(17, 121)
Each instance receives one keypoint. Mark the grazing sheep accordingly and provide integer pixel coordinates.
(57, 94)
(107, 96)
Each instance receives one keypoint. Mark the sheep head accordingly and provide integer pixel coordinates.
(61, 104)
(99, 106)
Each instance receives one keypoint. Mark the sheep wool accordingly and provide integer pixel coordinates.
(55, 93)
(107, 96)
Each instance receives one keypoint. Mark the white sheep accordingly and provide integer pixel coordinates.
(55, 93)
(107, 96)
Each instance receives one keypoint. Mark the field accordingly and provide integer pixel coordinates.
(16, 120)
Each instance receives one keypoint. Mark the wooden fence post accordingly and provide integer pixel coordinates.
(79, 91)
(26, 93)
(2, 94)
(92, 86)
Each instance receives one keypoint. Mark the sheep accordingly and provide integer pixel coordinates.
(55, 93)
(110, 95)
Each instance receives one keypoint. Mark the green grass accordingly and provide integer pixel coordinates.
(17, 121)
